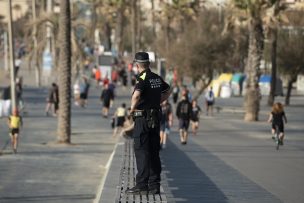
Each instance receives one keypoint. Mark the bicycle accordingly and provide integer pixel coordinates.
(277, 137)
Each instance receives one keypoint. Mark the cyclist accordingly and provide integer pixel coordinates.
(277, 118)
(14, 123)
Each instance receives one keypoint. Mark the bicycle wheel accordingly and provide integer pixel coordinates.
(277, 137)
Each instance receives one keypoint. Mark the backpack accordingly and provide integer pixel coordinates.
(210, 96)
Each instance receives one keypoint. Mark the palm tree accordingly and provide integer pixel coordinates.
(272, 21)
(64, 117)
(174, 17)
(134, 25)
(202, 50)
(110, 15)
(120, 25)
(255, 11)
(290, 51)
(36, 29)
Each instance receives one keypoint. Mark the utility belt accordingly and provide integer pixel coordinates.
(152, 116)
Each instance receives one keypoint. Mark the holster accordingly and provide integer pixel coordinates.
(152, 117)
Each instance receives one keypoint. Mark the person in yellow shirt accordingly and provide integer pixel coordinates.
(120, 115)
(14, 123)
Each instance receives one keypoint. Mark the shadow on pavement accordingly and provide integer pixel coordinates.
(193, 174)
(186, 182)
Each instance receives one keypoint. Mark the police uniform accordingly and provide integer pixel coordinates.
(147, 127)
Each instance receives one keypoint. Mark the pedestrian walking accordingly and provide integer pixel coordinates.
(166, 122)
(97, 75)
(195, 113)
(277, 117)
(106, 96)
(149, 92)
(14, 124)
(209, 101)
(76, 91)
(112, 87)
(84, 91)
(187, 93)
(6, 96)
(18, 63)
(175, 92)
(120, 118)
(183, 113)
(52, 100)
(19, 91)
(124, 77)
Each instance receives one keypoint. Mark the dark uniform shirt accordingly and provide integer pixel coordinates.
(151, 86)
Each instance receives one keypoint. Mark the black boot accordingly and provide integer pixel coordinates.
(137, 191)
(154, 191)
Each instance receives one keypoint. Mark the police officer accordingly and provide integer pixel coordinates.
(150, 90)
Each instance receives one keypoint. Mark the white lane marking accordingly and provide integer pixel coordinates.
(103, 180)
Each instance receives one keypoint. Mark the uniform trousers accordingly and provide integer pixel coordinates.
(146, 148)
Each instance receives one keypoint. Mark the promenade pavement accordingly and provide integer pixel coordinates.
(44, 171)
(228, 161)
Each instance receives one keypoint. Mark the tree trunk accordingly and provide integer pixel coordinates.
(289, 88)
(167, 34)
(108, 33)
(94, 22)
(292, 80)
(64, 117)
(138, 26)
(120, 28)
(255, 51)
(153, 18)
(202, 87)
(273, 68)
(35, 58)
(134, 26)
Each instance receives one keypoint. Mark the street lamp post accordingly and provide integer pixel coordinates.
(12, 57)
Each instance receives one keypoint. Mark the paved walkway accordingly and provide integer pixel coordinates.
(229, 160)
(43, 171)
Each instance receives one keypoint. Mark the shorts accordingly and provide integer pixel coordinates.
(83, 96)
(194, 119)
(210, 103)
(120, 121)
(183, 124)
(14, 131)
(106, 103)
(281, 127)
(164, 127)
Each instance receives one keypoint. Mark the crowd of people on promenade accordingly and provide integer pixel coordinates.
(181, 108)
